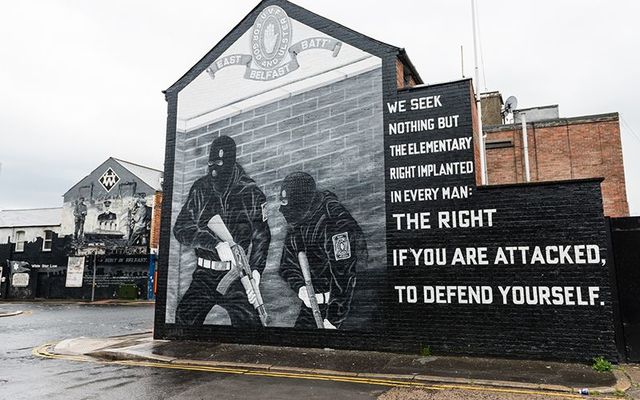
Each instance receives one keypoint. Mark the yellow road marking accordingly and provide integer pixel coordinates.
(42, 351)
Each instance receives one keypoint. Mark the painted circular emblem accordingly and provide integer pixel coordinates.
(271, 37)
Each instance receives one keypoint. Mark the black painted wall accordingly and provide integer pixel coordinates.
(550, 214)
(626, 242)
(32, 254)
(48, 272)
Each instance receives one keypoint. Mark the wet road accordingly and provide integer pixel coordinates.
(23, 376)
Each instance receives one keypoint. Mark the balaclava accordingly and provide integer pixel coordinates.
(222, 161)
(297, 193)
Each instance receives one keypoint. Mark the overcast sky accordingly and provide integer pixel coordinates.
(81, 80)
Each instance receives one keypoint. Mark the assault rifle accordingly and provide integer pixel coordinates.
(235, 254)
(313, 301)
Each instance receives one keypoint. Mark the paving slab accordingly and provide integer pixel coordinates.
(535, 372)
(633, 371)
(83, 345)
(464, 370)
(139, 351)
(10, 313)
(220, 364)
(347, 361)
(530, 371)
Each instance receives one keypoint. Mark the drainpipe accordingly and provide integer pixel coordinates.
(483, 160)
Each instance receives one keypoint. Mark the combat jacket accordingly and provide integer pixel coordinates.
(335, 247)
(240, 207)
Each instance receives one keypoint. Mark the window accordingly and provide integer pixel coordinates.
(19, 241)
(498, 144)
(48, 241)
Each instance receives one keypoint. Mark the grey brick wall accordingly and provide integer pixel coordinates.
(334, 133)
(312, 130)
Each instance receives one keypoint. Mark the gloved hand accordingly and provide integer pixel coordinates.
(328, 325)
(251, 294)
(224, 252)
(304, 296)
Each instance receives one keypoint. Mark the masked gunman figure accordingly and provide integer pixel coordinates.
(226, 191)
(79, 215)
(322, 228)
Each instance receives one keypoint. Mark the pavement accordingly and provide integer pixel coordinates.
(633, 373)
(10, 313)
(79, 302)
(401, 370)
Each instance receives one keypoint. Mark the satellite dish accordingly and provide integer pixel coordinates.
(510, 105)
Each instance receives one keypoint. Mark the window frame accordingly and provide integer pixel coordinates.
(49, 240)
(20, 243)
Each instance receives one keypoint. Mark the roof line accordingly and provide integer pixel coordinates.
(245, 20)
(81, 179)
(236, 26)
(404, 57)
(339, 25)
(18, 227)
(612, 116)
(537, 107)
(31, 209)
(118, 161)
(424, 85)
(138, 165)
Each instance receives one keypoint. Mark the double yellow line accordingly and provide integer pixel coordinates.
(43, 351)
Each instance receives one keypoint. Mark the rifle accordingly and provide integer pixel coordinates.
(306, 273)
(240, 267)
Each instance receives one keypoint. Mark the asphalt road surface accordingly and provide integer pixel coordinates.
(24, 376)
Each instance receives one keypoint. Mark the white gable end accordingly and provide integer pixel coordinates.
(307, 55)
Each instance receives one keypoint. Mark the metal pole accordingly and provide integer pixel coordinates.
(462, 60)
(525, 147)
(483, 161)
(93, 283)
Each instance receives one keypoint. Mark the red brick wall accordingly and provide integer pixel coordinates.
(476, 136)
(154, 239)
(400, 76)
(574, 148)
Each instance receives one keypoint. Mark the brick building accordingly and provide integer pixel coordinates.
(559, 149)
(325, 123)
(30, 237)
(114, 211)
(297, 136)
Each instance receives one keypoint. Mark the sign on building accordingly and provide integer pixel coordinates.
(20, 279)
(75, 271)
(309, 192)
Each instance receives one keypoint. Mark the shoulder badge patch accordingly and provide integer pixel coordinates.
(264, 211)
(341, 246)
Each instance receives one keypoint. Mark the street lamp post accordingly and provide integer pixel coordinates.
(93, 281)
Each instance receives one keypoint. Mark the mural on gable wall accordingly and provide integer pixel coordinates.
(110, 206)
(304, 195)
(280, 191)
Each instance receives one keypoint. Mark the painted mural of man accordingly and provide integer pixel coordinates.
(227, 191)
(322, 228)
(139, 223)
(79, 214)
(107, 220)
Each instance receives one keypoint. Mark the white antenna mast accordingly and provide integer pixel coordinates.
(462, 60)
(483, 160)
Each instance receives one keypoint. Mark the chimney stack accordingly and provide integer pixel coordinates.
(491, 108)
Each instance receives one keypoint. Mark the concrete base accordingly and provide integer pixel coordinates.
(514, 374)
